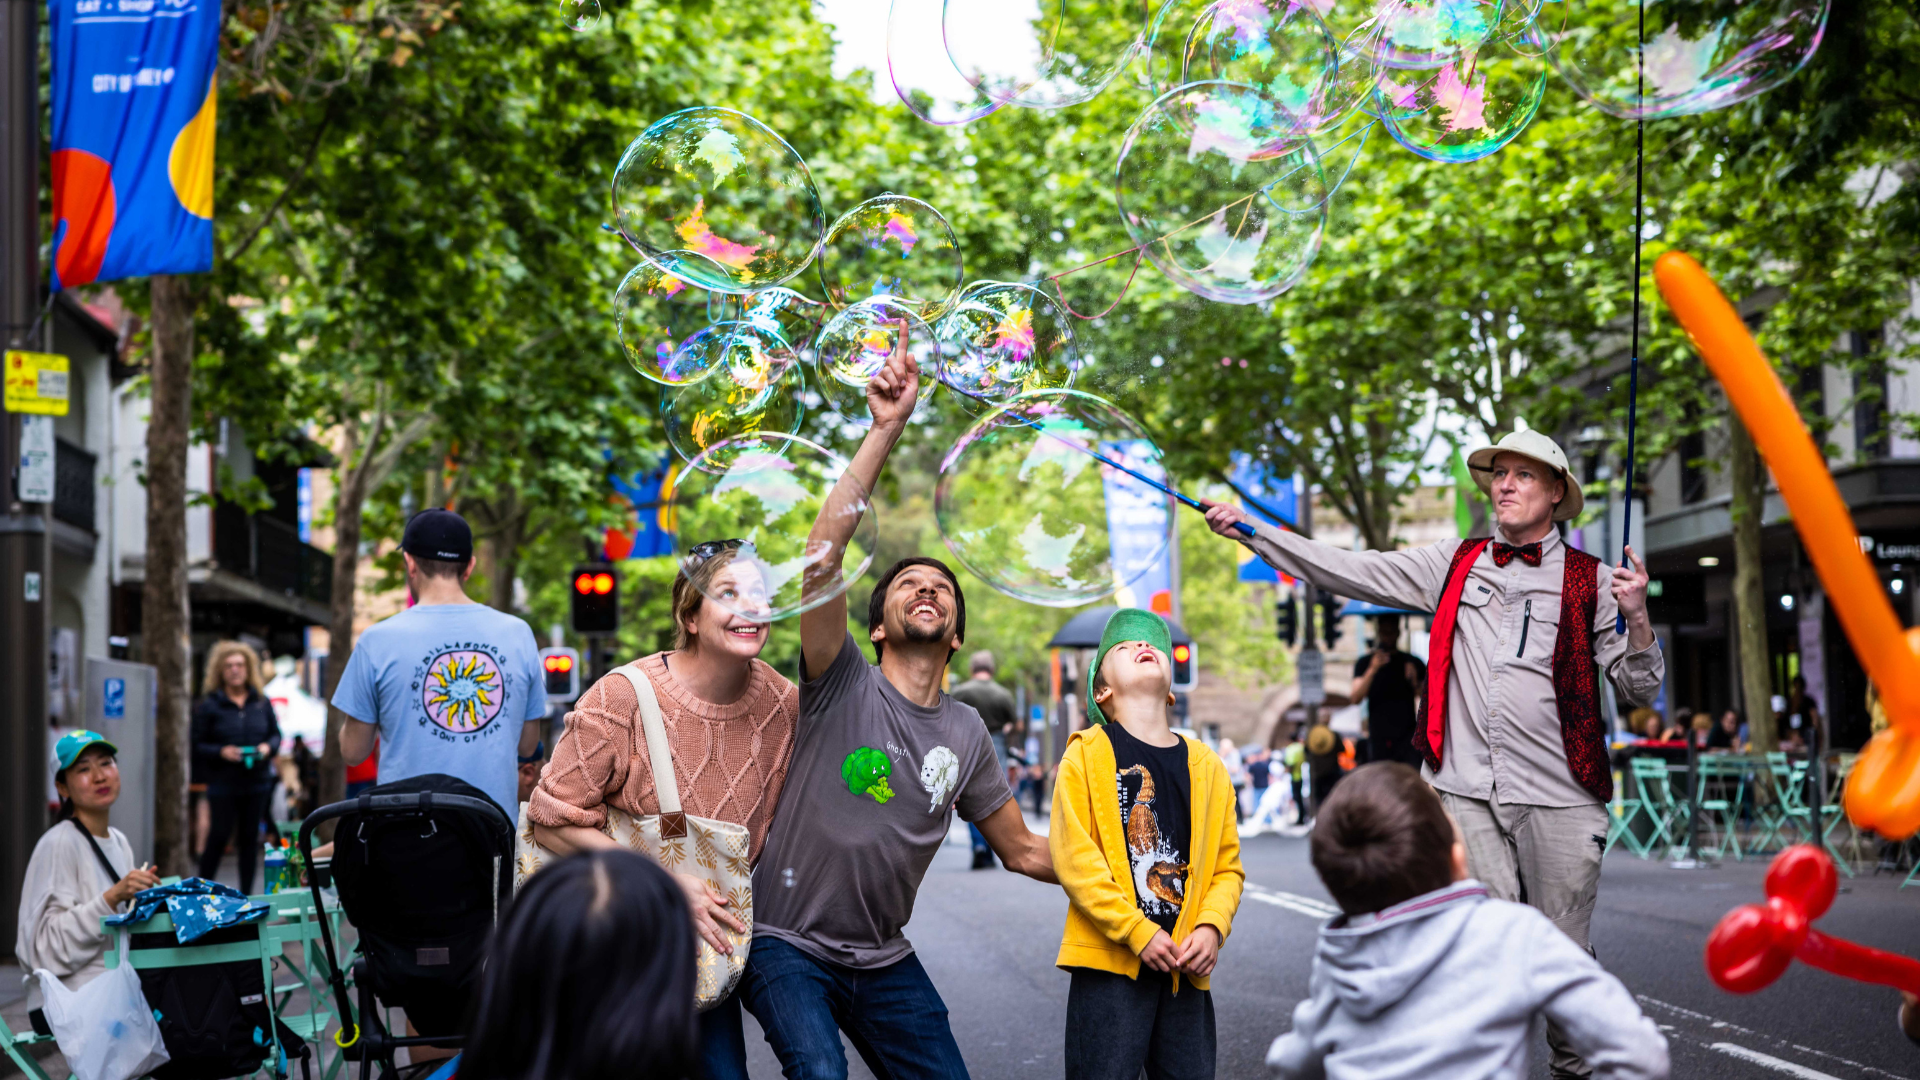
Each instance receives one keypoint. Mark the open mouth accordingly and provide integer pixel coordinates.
(925, 608)
(750, 631)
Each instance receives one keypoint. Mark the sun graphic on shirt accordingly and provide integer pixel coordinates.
(463, 690)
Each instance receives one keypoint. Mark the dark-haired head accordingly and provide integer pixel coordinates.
(890, 610)
(1382, 838)
(589, 977)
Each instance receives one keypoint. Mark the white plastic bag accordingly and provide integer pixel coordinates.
(105, 1029)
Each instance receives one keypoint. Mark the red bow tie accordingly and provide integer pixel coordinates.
(1528, 553)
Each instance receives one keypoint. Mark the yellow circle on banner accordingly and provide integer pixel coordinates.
(190, 163)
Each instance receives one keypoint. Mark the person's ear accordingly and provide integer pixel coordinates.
(1459, 859)
(879, 631)
(467, 572)
(1170, 699)
(1101, 695)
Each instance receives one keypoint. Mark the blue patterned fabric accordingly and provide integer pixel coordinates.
(196, 906)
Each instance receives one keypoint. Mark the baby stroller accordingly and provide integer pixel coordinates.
(423, 867)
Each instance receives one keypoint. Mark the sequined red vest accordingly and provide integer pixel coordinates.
(1576, 684)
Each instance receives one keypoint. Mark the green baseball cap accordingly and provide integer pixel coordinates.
(74, 743)
(1126, 624)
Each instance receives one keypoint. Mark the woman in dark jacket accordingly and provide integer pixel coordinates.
(235, 737)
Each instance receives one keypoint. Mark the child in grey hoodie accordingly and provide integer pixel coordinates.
(1426, 976)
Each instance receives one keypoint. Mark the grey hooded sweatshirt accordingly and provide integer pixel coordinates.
(1446, 986)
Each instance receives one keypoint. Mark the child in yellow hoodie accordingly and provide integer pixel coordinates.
(1144, 842)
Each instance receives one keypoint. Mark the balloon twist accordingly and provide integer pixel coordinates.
(1883, 791)
(1754, 944)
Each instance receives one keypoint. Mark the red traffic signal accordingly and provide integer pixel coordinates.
(1184, 676)
(559, 663)
(562, 674)
(596, 600)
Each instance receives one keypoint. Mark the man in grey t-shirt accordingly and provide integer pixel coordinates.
(882, 761)
(996, 709)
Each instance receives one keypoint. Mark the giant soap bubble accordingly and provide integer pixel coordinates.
(1278, 46)
(1025, 505)
(1420, 34)
(785, 313)
(1042, 54)
(1003, 339)
(1694, 57)
(1467, 109)
(894, 246)
(855, 344)
(1219, 194)
(762, 496)
(922, 72)
(753, 386)
(720, 184)
(655, 311)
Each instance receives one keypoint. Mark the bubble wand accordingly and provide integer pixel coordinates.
(1243, 528)
(1633, 369)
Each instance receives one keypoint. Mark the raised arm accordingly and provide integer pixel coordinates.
(890, 398)
(1411, 578)
(1632, 661)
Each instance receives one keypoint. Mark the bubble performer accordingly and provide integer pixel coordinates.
(882, 762)
(1513, 740)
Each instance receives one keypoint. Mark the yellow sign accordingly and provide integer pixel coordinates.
(36, 383)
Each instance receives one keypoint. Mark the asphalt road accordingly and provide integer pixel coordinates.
(989, 938)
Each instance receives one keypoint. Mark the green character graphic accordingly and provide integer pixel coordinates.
(866, 771)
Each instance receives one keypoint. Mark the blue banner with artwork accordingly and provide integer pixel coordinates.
(1267, 497)
(133, 133)
(1138, 528)
(648, 531)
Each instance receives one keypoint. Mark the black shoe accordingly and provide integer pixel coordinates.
(983, 860)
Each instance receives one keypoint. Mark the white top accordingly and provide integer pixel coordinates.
(62, 902)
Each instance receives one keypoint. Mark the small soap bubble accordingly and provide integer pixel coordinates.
(580, 14)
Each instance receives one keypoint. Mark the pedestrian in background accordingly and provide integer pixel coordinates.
(1139, 926)
(996, 708)
(1294, 757)
(1237, 774)
(1391, 682)
(235, 736)
(449, 685)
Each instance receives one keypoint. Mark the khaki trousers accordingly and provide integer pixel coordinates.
(1545, 856)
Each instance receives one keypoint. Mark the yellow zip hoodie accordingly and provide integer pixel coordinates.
(1105, 928)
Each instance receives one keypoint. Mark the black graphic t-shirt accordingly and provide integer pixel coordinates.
(1155, 797)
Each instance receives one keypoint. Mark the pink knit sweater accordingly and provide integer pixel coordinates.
(730, 760)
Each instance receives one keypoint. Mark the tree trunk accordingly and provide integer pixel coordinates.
(505, 561)
(349, 498)
(1749, 593)
(165, 620)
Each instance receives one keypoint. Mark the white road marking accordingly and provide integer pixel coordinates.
(1722, 1028)
(1771, 1062)
(1294, 902)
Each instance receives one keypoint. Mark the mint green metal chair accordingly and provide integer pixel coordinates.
(1657, 800)
(1620, 814)
(1720, 786)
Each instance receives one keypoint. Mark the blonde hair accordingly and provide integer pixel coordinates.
(217, 659)
(689, 588)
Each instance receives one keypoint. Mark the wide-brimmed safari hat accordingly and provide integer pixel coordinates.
(1540, 448)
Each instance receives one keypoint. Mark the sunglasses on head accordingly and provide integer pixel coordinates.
(701, 552)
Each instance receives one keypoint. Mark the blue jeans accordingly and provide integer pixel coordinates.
(892, 1015)
(723, 1046)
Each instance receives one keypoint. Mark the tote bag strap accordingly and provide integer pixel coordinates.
(112, 874)
(673, 823)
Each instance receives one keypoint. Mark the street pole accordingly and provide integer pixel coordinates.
(25, 584)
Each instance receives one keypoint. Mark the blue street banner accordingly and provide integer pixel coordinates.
(133, 132)
(1139, 525)
(1267, 492)
(650, 532)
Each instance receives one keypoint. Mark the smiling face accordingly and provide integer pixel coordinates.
(738, 585)
(1133, 668)
(920, 609)
(1524, 492)
(92, 781)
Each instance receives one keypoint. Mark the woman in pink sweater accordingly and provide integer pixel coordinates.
(730, 722)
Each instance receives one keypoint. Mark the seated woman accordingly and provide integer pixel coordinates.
(729, 719)
(82, 869)
(589, 977)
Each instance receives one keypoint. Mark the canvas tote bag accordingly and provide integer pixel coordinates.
(713, 851)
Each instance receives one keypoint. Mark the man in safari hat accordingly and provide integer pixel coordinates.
(1513, 737)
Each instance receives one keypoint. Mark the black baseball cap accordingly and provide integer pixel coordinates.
(438, 534)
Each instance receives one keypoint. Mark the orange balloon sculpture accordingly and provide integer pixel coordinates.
(1883, 792)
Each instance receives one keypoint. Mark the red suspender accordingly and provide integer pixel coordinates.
(1440, 651)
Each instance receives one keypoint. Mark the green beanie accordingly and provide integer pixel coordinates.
(1126, 624)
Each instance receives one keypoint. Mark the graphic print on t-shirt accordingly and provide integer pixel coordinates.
(866, 771)
(938, 774)
(1159, 866)
(463, 691)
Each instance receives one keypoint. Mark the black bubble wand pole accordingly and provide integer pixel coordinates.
(1633, 368)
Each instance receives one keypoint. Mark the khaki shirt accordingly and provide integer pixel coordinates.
(1503, 737)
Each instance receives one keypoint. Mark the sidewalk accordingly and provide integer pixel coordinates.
(13, 1008)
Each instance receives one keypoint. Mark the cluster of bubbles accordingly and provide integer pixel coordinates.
(1260, 110)
(727, 220)
(1263, 106)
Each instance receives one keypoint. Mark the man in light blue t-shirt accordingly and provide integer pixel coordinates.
(450, 686)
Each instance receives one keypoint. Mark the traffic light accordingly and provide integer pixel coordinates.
(1329, 618)
(1185, 671)
(1288, 614)
(562, 667)
(596, 599)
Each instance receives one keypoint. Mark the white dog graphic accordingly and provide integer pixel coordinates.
(938, 774)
